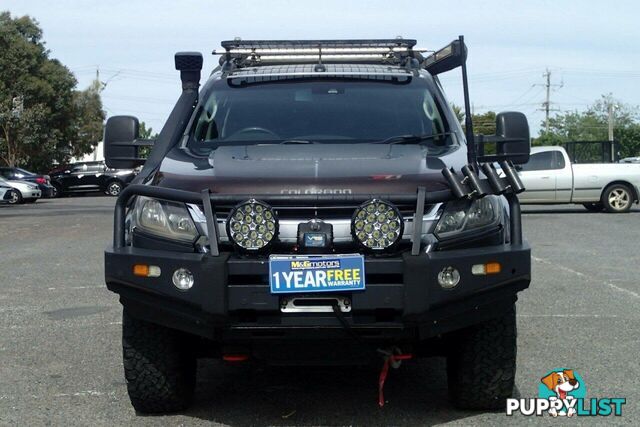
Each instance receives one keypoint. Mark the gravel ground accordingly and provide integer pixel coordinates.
(60, 352)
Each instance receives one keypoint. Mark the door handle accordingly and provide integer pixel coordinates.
(545, 177)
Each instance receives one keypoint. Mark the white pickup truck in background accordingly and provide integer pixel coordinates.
(550, 178)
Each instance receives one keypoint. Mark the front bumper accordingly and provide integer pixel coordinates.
(47, 190)
(31, 194)
(230, 301)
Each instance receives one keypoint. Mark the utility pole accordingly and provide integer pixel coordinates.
(611, 108)
(547, 101)
(99, 85)
(546, 105)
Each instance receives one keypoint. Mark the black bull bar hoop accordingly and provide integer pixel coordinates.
(467, 186)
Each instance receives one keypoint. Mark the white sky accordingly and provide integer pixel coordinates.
(590, 46)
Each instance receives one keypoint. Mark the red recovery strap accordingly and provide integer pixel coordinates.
(389, 360)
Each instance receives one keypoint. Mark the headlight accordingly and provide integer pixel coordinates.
(252, 225)
(32, 187)
(461, 217)
(377, 225)
(166, 219)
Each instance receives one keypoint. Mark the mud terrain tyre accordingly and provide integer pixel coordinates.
(159, 366)
(481, 364)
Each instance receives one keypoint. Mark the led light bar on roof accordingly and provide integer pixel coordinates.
(297, 44)
(321, 50)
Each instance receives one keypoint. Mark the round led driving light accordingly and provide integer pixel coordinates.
(377, 225)
(252, 225)
(182, 279)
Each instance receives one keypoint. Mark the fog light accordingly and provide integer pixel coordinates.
(182, 279)
(449, 277)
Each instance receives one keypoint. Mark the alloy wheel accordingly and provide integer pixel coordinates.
(15, 197)
(619, 198)
(114, 188)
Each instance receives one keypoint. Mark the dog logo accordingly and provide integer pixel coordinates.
(563, 384)
(563, 393)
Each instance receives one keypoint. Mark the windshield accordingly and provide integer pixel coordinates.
(318, 111)
(24, 172)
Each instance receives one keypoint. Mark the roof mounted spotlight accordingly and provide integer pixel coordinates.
(447, 58)
(189, 64)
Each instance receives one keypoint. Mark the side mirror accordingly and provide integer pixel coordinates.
(511, 141)
(121, 143)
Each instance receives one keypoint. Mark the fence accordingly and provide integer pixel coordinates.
(592, 151)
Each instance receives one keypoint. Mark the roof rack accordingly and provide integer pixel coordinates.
(244, 53)
(240, 53)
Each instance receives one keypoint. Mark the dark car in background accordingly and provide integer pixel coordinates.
(87, 177)
(19, 174)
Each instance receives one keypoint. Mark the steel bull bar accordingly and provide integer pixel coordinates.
(467, 186)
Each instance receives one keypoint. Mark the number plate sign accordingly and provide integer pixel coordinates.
(318, 273)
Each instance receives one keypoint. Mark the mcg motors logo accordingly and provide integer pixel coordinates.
(562, 393)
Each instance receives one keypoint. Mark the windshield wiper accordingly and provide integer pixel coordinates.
(402, 139)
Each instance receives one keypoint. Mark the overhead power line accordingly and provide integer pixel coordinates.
(546, 105)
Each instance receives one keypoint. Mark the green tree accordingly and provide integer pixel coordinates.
(459, 113)
(43, 119)
(547, 138)
(87, 121)
(146, 133)
(628, 138)
(593, 125)
(483, 123)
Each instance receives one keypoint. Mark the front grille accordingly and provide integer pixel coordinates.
(321, 212)
(339, 216)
